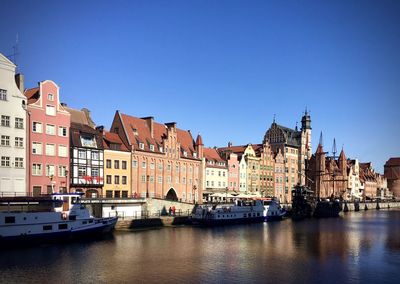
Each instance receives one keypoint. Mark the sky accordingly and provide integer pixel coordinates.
(222, 68)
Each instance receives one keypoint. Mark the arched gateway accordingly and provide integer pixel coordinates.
(171, 195)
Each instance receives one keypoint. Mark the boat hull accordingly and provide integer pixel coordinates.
(273, 218)
(221, 222)
(97, 230)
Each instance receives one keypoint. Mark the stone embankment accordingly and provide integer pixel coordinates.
(163, 221)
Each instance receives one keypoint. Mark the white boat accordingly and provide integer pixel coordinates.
(242, 211)
(272, 210)
(52, 218)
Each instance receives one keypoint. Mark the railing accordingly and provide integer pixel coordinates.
(147, 214)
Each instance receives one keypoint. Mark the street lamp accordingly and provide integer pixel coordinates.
(51, 183)
(226, 195)
(66, 180)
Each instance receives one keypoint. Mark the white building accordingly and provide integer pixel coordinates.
(12, 131)
(354, 187)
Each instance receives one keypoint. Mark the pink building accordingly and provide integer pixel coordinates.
(48, 140)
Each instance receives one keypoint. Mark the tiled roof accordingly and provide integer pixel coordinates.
(211, 154)
(393, 162)
(113, 138)
(138, 131)
(234, 149)
(32, 95)
(79, 116)
(77, 129)
(293, 137)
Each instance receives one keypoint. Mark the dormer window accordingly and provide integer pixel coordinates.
(50, 97)
(141, 146)
(184, 153)
(160, 149)
(151, 147)
(88, 140)
(135, 132)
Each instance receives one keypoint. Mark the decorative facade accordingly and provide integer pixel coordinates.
(49, 140)
(392, 174)
(216, 172)
(86, 154)
(166, 161)
(13, 131)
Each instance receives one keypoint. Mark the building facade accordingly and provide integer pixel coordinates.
(86, 154)
(49, 140)
(216, 173)
(392, 174)
(13, 129)
(166, 161)
(117, 167)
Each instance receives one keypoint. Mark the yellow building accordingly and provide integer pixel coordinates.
(117, 167)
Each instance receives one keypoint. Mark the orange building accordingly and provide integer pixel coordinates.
(166, 162)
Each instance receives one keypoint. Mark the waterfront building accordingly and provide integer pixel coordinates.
(368, 179)
(166, 162)
(280, 176)
(216, 173)
(86, 154)
(117, 166)
(354, 186)
(233, 169)
(13, 131)
(49, 140)
(266, 169)
(295, 146)
(392, 174)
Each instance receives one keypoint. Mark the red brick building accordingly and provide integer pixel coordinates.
(392, 173)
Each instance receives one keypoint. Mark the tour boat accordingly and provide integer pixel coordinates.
(272, 210)
(56, 217)
(242, 211)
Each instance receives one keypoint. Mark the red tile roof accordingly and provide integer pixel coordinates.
(211, 154)
(32, 95)
(113, 138)
(393, 162)
(143, 135)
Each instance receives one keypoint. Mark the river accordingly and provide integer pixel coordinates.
(359, 247)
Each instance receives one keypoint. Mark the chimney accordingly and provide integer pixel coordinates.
(64, 104)
(150, 124)
(229, 144)
(19, 80)
(171, 125)
(100, 129)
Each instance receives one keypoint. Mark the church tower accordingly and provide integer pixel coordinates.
(305, 151)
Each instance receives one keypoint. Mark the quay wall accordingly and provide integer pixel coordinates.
(372, 205)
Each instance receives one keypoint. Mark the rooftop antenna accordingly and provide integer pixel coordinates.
(274, 118)
(13, 56)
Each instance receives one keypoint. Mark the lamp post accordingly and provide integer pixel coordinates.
(66, 180)
(51, 183)
(226, 195)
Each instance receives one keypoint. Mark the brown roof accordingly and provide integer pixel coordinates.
(80, 116)
(77, 129)
(234, 149)
(393, 162)
(110, 138)
(32, 95)
(143, 135)
(211, 154)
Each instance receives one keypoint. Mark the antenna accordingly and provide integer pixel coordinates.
(13, 56)
(274, 118)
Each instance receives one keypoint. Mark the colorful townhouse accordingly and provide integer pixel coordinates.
(86, 154)
(13, 129)
(166, 161)
(216, 175)
(49, 138)
(117, 167)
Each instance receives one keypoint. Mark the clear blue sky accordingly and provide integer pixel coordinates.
(222, 68)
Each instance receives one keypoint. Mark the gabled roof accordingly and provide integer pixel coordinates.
(393, 162)
(32, 95)
(78, 129)
(212, 154)
(110, 138)
(138, 131)
(80, 116)
(293, 137)
(5, 60)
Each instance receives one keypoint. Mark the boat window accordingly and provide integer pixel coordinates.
(72, 217)
(62, 226)
(90, 221)
(244, 215)
(9, 219)
(258, 214)
(84, 222)
(47, 227)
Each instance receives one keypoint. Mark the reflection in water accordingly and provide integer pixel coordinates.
(360, 247)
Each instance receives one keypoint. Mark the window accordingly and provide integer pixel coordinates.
(160, 167)
(50, 110)
(9, 219)
(184, 180)
(159, 179)
(81, 172)
(19, 123)
(169, 179)
(143, 178)
(5, 120)
(143, 165)
(134, 164)
(108, 179)
(151, 147)
(123, 164)
(169, 168)
(50, 170)
(82, 154)
(50, 149)
(19, 142)
(5, 161)
(160, 149)
(88, 141)
(62, 131)
(37, 169)
(36, 148)
(123, 180)
(62, 226)
(152, 166)
(3, 95)
(62, 171)
(5, 140)
(151, 178)
(108, 193)
(141, 146)
(177, 169)
(176, 180)
(19, 162)
(50, 97)
(47, 227)
(62, 151)
(124, 194)
(117, 194)
(37, 127)
(116, 179)
(95, 155)
(116, 164)
(108, 164)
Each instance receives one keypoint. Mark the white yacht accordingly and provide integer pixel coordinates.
(51, 218)
(272, 210)
(242, 211)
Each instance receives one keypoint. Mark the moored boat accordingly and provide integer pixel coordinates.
(272, 210)
(242, 211)
(53, 218)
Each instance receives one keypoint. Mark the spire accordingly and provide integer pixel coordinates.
(321, 141)
(274, 118)
(334, 150)
(199, 140)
